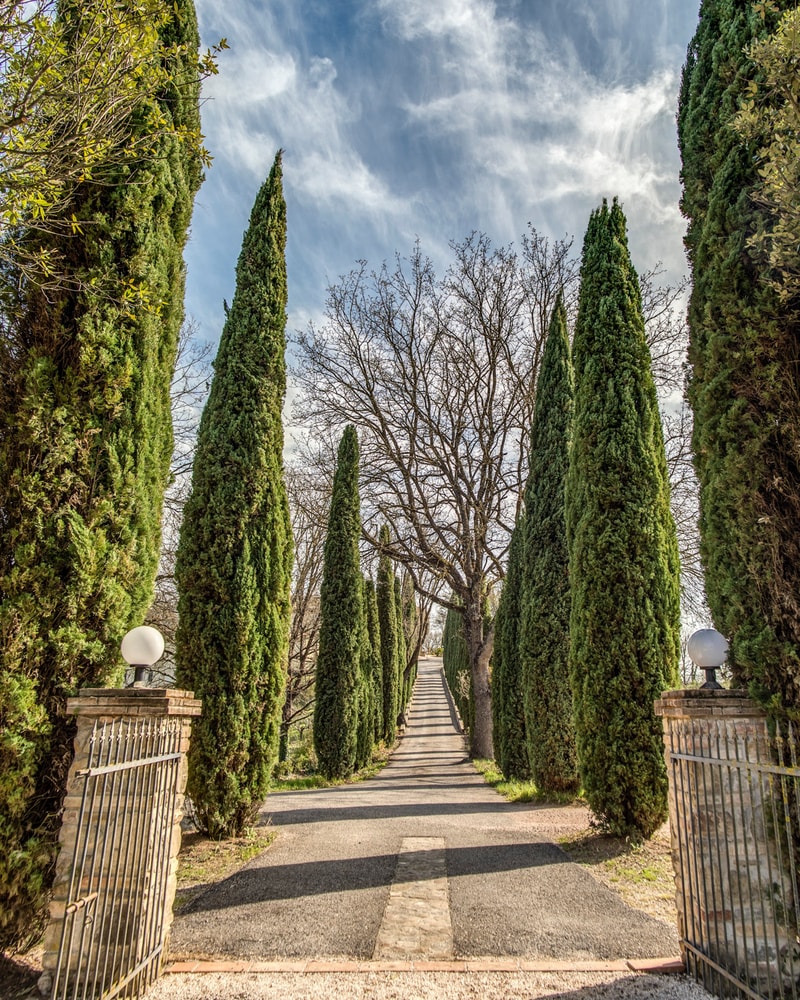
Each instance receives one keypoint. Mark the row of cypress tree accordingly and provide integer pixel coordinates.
(363, 682)
(587, 629)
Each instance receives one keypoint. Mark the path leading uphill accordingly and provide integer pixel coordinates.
(423, 862)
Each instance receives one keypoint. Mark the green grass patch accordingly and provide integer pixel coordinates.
(518, 791)
(301, 782)
(203, 861)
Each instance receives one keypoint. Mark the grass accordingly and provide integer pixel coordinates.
(641, 874)
(202, 861)
(300, 782)
(518, 791)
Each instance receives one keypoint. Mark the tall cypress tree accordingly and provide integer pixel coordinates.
(544, 621)
(743, 354)
(402, 649)
(374, 629)
(455, 656)
(510, 744)
(412, 633)
(341, 622)
(624, 571)
(235, 554)
(85, 447)
(387, 621)
(366, 695)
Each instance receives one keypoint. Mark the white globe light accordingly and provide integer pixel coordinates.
(142, 646)
(707, 648)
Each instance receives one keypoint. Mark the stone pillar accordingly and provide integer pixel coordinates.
(120, 835)
(731, 842)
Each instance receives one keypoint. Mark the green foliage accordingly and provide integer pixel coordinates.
(411, 626)
(85, 447)
(388, 625)
(366, 692)
(234, 559)
(402, 650)
(455, 656)
(374, 630)
(623, 560)
(73, 77)
(341, 636)
(769, 119)
(546, 600)
(743, 356)
(510, 744)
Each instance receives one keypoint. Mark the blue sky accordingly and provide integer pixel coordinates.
(431, 118)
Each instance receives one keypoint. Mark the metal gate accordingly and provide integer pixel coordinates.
(112, 934)
(738, 817)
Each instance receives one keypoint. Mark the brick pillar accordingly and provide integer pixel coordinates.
(120, 835)
(731, 844)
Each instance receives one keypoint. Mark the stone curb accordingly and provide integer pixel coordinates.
(654, 966)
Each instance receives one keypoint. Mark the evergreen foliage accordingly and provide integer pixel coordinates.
(402, 650)
(455, 656)
(743, 355)
(234, 559)
(341, 635)
(366, 694)
(544, 620)
(510, 743)
(411, 631)
(388, 625)
(374, 629)
(85, 448)
(624, 571)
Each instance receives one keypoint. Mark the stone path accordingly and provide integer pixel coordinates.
(422, 863)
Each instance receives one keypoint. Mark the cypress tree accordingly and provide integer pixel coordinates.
(341, 622)
(624, 625)
(374, 629)
(411, 631)
(544, 620)
(234, 559)
(366, 700)
(743, 356)
(510, 744)
(455, 656)
(85, 448)
(387, 622)
(402, 650)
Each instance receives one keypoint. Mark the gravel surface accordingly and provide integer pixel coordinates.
(427, 986)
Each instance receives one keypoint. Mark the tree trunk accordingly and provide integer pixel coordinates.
(480, 652)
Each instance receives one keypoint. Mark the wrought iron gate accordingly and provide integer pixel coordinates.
(112, 934)
(738, 793)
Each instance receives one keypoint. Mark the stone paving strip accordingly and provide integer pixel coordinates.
(416, 921)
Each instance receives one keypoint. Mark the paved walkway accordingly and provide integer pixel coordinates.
(424, 863)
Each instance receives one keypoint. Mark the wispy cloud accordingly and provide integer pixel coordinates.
(431, 119)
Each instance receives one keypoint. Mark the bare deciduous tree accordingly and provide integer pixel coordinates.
(439, 375)
(309, 503)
